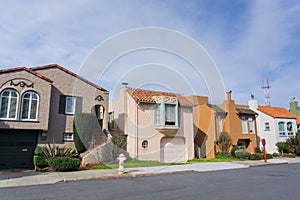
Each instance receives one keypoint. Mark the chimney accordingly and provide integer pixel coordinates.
(252, 103)
(228, 95)
(124, 85)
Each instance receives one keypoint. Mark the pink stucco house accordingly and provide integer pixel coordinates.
(158, 125)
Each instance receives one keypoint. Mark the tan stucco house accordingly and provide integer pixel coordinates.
(240, 124)
(37, 106)
(158, 125)
(208, 124)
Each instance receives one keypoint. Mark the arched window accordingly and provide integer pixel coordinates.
(289, 126)
(9, 104)
(281, 129)
(30, 104)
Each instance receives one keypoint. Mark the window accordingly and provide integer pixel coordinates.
(289, 126)
(111, 121)
(70, 105)
(267, 126)
(244, 125)
(170, 114)
(157, 114)
(30, 103)
(281, 129)
(166, 114)
(9, 104)
(68, 136)
(251, 125)
(220, 124)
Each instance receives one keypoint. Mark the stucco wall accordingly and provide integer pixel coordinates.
(66, 84)
(137, 119)
(41, 86)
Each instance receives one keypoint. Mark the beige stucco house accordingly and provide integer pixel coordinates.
(158, 125)
(38, 105)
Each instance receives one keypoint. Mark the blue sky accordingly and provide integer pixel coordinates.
(248, 40)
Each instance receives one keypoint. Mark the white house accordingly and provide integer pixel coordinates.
(273, 124)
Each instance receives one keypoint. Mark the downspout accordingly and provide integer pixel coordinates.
(216, 134)
(137, 130)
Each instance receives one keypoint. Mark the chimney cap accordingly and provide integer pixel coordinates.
(125, 84)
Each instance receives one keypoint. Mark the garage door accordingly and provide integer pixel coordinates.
(172, 150)
(16, 149)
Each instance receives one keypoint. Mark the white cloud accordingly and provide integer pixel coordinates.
(249, 41)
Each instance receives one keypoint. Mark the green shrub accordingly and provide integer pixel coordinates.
(294, 145)
(242, 153)
(40, 161)
(38, 150)
(256, 156)
(289, 155)
(275, 154)
(234, 148)
(52, 150)
(64, 163)
(282, 147)
(269, 156)
(222, 155)
(224, 141)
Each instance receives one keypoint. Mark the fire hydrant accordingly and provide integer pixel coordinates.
(121, 159)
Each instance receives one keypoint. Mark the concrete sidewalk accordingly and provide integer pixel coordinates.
(29, 177)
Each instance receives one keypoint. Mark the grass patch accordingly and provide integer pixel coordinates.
(214, 160)
(134, 163)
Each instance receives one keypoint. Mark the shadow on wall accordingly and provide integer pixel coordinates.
(57, 119)
(200, 143)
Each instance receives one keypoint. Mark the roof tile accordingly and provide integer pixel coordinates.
(25, 69)
(276, 112)
(147, 96)
(68, 72)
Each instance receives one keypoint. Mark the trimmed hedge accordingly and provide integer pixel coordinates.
(64, 163)
(242, 153)
(40, 161)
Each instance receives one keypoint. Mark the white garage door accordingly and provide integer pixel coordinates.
(172, 150)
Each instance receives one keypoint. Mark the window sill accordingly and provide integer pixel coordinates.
(15, 120)
(167, 130)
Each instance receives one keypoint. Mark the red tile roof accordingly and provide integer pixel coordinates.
(68, 72)
(276, 112)
(147, 96)
(298, 120)
(9, 70)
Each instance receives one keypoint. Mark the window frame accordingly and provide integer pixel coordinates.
(67, 138)
(244, 124)
(30, 106)
(161, 120)
(73, 106)
(267, 126)
(282, 133)
(289, 132)
(251, 125)
(9, 104)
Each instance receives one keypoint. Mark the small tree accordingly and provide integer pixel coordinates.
(294, 145)
(224, 141)
(283, 147)
(84, 124)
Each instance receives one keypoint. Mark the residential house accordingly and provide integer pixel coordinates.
(158, 125)
(240, 124)
(37, 106)
(295, 109)
(208, 124)
(273, 124)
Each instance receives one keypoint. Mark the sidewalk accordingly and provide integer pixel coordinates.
(30, 177)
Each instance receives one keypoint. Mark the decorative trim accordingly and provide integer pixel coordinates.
(22, 84)
(99, 98)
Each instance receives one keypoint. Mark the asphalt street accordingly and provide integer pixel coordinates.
(262, 182)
